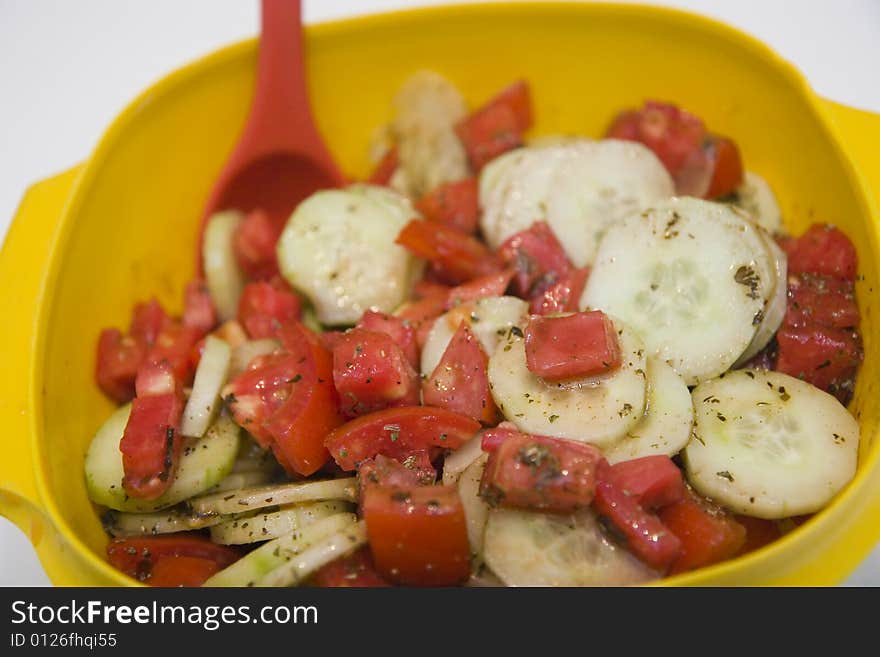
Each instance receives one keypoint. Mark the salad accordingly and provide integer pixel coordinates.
(500, 360)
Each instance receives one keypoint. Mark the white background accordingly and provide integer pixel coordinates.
(68, 67)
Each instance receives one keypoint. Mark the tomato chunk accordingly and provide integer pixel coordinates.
(820, 300)
(356, 570)
(562, 296)
(414, 470)
(459, 256)
(498, 126)
(829, 358)
(417, 536)
(311, 410)
(583, 344)
(490, 285)
(454, 204)
(117, 364)
(254, 244)
(199, 312)
(371, 372)
(138, 557)
(726, 166)
(460, 382)
(264, 306)
(654, 481)
(645, 535)
(147, 320)
(151, 445)
(759, 532)
(823, 249)
(385, 168)
(492, 438)
(401, 331)
(707, 535)
(397, 432)
(174, 344)
(537, 256)
(156, 379)
(540, 473)
(182, 571)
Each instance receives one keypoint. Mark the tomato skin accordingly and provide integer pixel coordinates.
(118, 359)
(518, 98)
(174, 344)
(492, 438)
(401, 331)
(182, 571)
(371, 372)
(417, 536)
(460, 382)
(707, 536)
(826, 357)
(454, 204)
(414, 470)
(355, 571)
(151, 445)
(198, 308)
(540, 473)
(646, 536)
(654, 481)
(582, 344)
(254, 244)
(562, 296)
(490, 285)
(822, 249)
(147, 320)
(820, 300)
(385, 168)
(459, 256)
(727, 166)
(537, 256)
(488, 133)
(265, 306)
(397, 432)
(138, 556)
(311, 410)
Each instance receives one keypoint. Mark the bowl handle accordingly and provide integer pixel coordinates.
(22, 269)
(860, 133)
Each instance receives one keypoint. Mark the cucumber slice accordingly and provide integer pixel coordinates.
(598, 410)
(338, 250)
(669, 416)
(317, 555)
(204, 399)
(525, 548)
(222, 275)
(578, 187)
(257, 563)
(459, 460)
(476, 511)
(691, 277)
(272, 524)
(756, 197)
(490, 319)
(151, 524)
(244, 353)
(238, 480)
(252, 499)
(769, 445)
(203, 463)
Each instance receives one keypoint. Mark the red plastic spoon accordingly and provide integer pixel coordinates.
(280, 157)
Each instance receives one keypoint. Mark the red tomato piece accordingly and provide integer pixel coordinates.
(490, 285)
(417, 536)
(707, 535)
(460, 256)
(537, 256)
(727, 166)
(582, 344)
(454, 204)
(401, 331)
(425, 288)
(117, 364)
(311, 411)
(151, 445)
(198, 308)
(156, 379)
(385, 168)
(460, 382)
(356, 571)
(371, 372)
(562, 296)
(823, 249)
(414, 470)
(540, 473)
(492, 438)
(254, 244)
(829, 358)
(518, 98)
(264, 307)
(147, 320)
(820, 300)
(645, 535)
(759, 532)
(182, 571)
(138, 556)
(174, 344)
(397, 432)
(654, 481)
(488, 133)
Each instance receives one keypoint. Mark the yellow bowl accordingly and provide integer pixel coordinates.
(88, 243)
